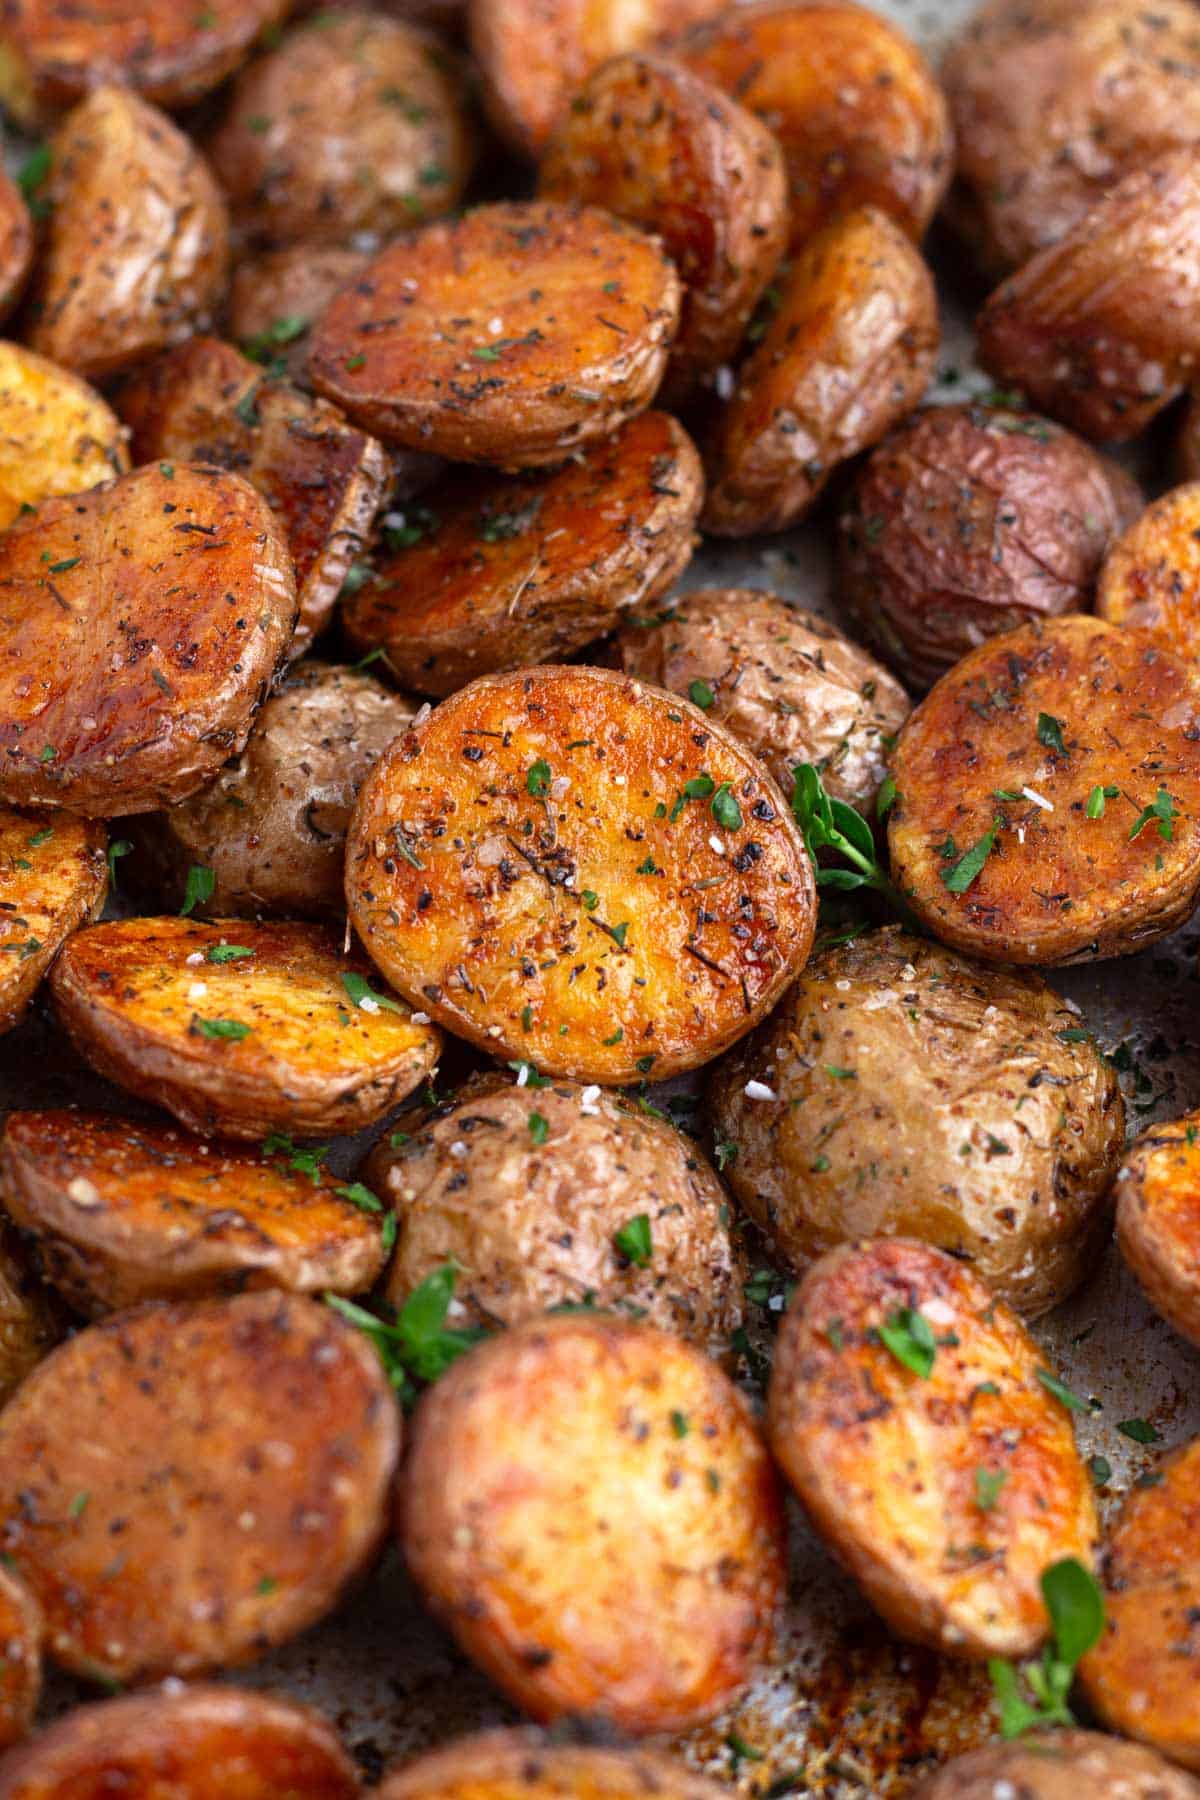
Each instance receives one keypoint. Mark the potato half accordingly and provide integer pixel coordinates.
(57, 436)
(53, 879)
(276, 296)
(1150, 574)
(1059, 1765)
(523, 1765)
(21, 1666)
(16, 239)
(1158, 1219)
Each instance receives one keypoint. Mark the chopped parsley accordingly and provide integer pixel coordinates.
(359, 990)
(233, 1029)
(539, 1127)
(198, 889)
(1050, 732)
(908, 1334)
(1164, 810)
(633, 1241)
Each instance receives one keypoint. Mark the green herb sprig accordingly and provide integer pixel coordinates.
(829, 824)
(418, 1347)
(1076, 1608)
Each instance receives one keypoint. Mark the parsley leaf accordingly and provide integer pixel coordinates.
(1162, 808)
(418, 1347)
(633, 1241)
(909, 1336)
(959, 876)
(700, 694)
(116, 850)
(725, 809)
(537, 779)
(1076, 1608)
(988, 1483)
(828, 824)
(199, 889)
(233, 1029)
(227, 953)
(360, 990)
(1050, 732)
(539, 1127)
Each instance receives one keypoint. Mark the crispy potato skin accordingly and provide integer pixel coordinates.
(142, 623)
(784, 681)
(137, 249)
(589, 307)
(1059, 1765)
(118, 1213)
(16, 240)
(20, 1660)
(962, 1117)
(587, 1556)
(57, 436)
(967, 521)
(31, 1320)
(501, 910)
(523, 1765)
(323, 479)
(53, 879)
(1057, 887)
(662, 147)
(885, 1462)
(212, 1743)
(523, 569)
(861, 120)
(1149, 575)
(1102, 329)
(275, 1392)
(849, 352)
(1158, 1219)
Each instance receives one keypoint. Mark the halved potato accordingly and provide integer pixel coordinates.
(514, 335)
(524, 1765)
(289, 1037)
(589, 1507)
(1058, 1765)
(16, 239)
(276, 296)
(1158, 1219)
(1150, 575)
(57, 436)
(946, 1488)
(519, 569)
(20, 1661)
(143, 622)
(31, 1320)
(53, 879)
(565, 866)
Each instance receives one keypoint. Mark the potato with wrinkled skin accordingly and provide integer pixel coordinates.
(887, 1459)
(20, 1661)
(566, 847)
(1017, 850)
(57, 435)
(240, 1046)
(236, 1457)
(53, 879)
(849, 351)
(515, 335)
(590, 1510)
(116, 1213)
(524, 1765)
(784, 681)
(31, 1319)
(1059, 1765)
(137, 246)
(1150, 574)
(16, 241)
(523, 569)
(143, 622)
(1158, 1219)
(965, 522)
(660, 146)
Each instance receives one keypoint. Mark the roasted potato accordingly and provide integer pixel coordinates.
(117, 1213)
(188, 1484)
(57, 436)
(965, 522)
(276, 296)
(323, 479)
(930, 1456)
(240, 1028)
(589, 1508)
(209, 1743)
(1150, 574)
(849, 351)
(20, 1660)
(31, 1320)
(566, 866)
(1048, 796)
(522, 1765)
(53, 878)
(660, 146)
(1058, 1765)
(513, 336)
(143, 622)
(527, 1190)
(900, 1090)
(524, 569)
(1100, 329)
(784, 681)
(354, 124)
(272, 827)
(16, 238)
(1158, 1219)
(137, 250)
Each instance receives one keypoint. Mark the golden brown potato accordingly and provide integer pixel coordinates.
(276, 296)
(849, 351)
(665, 149)
(861, 120)
(784, 681)
(1059, 1765)
(518, 569)
(53, 878)
(617, 866)
(1048, 804)
(322, 478)
(20, 1661)
(513, 336)
(527, 1190)
(1150, 574)
(118, 1213)
(142, 624)
(16, 237)
(137, 252)
(31, 1320)
(1102, 329)
(965, 522)
(900, 1090)
(57, 436)
(289, 1038)
(946, 1488)
(1158, 1219)
(523, 1765)
(209, 1743)
(188, 1484)
(589, 1508)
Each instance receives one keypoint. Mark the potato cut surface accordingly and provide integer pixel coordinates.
(1059, 1765)
(57, 436)
(53, 878)
(276, 296)
(522, 1765)
(1158, 1219)
(1150, 576)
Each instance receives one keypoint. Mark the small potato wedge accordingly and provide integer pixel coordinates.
(665, 149)
(945, 1489)
(1059, 1765)
(16, 239)
(143, 622)
(57, 436)
(31, 1320)
(117, 1213)
(53, 879)
(849, 351)
(590, 1510)
(514, 335)
(1158, 1219)
(523, 1765)
(209, 1743)
(524, 569)
(186, 1485)
(784, 681)
(20, 1661)
(323, 479)
(567, 847)
(1150, 575)
(137, 245)
(240, 1044)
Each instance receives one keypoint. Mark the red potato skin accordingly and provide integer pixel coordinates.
(529, 1765)
(1059, 1764)
(1149, 577)
(1158, 1219)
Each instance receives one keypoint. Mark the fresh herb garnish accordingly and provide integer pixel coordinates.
(198, 890)
(988, 1483)
(1076, 1608)
(1140, 1430)
(537, 778)
(908, 1334)
(116, 850)
(700, 694)
(958, 876)
(1097, 798)
(1061, 1392)
(1050, 732)
(698, 788)
(227, 953)
(361, 992)
(633, 1241)
(725, 809)
(418, 1347)
(233, 1029)
(1164, 809)
(539, 1127)
(828, 824)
